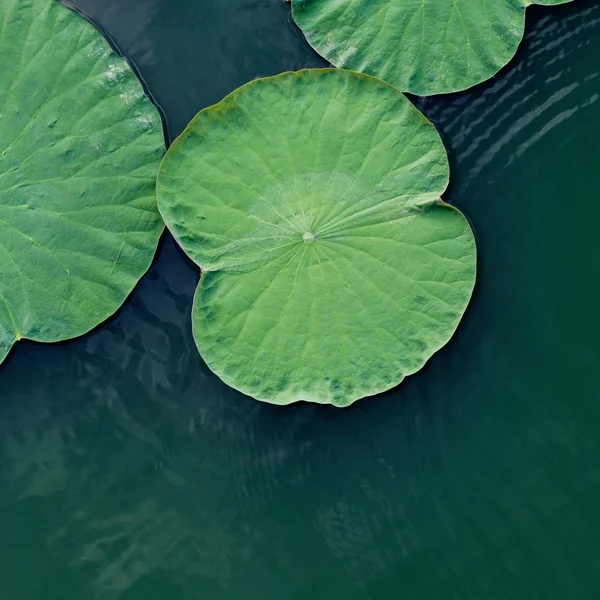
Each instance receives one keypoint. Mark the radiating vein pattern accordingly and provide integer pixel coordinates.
(420, 46)
(331, 268)
(80, 145)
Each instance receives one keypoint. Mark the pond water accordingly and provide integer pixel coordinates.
(128, 471)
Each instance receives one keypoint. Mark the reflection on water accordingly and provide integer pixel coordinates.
(128, 471)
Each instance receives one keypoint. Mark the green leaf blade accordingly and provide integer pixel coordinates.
(80, 145)
(424, 47)
(331, 267)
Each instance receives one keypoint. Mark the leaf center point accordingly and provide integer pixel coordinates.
(309, 237)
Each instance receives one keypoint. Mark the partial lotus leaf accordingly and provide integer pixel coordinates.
(331, 268)
(420, 46)
(80, 145)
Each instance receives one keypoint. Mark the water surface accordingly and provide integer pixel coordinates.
(129, 472)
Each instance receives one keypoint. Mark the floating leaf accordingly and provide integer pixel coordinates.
(331, 268)
(80, 145)
(420, 46)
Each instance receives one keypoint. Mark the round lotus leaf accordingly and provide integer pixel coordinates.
(420, 46)
(80, 145)
(331, 268)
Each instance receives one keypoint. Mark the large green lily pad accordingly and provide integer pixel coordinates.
(420, 46)
(331, 268)
(80, 145)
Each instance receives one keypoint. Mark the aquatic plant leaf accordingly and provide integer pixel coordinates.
(420, 46)
(80, 145)
(331, 268)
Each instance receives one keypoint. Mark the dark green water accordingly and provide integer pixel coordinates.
(129, 472)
